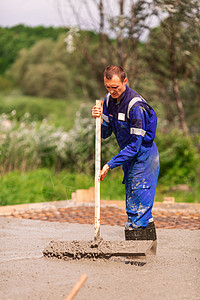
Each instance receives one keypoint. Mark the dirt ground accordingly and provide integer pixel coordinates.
(174, 273)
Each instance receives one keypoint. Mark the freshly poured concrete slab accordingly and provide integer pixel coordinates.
(174, 273)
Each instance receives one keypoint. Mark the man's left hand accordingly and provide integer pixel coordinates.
(104, 172)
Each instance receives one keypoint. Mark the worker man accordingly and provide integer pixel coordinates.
(133, 121)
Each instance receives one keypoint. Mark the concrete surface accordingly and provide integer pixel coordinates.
(174, 273)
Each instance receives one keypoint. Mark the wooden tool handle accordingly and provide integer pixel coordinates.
(77, 287)
(97, 172)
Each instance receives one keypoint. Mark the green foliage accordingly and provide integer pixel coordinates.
(38, 74)
(81, 149)
(29, 125)
(5, 84)
(49, 69)
(40, 185)
(179, 159)
(172, 56)
(60, 113)
(43, 185)
(69, 63)
(27, 143)
(190, 93)
(13, 39)
(46, 80)
(112, 187)
(191, 195)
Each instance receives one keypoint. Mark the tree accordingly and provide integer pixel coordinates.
(38, 73)
(15, 38)
(173, 46)
(49, 69)
(120, 30)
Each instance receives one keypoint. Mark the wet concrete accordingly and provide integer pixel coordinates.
(174, 273)
(99, 249)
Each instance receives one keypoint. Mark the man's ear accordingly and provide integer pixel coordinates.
(125, 80)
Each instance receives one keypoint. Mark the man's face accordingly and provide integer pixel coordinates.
(115, 86)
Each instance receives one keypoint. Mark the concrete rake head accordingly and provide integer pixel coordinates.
(99, 249)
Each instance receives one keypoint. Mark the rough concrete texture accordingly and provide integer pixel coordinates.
(99, 249)
(173, 273)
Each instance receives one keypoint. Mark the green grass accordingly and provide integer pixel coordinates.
(192, 196)
(59, 112)
(40, 185)
(43, 185)
(46, 185)
(113, 189)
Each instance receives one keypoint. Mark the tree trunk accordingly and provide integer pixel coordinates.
(101, 34)
(179, 104)
(174, 73)
(120, 36)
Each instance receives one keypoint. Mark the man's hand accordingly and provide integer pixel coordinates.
(97, 112)
(104, 172)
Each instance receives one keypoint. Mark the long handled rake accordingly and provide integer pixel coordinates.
(97, 172)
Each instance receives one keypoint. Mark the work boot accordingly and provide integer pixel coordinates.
(141, 233)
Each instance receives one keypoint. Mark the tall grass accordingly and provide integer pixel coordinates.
(28, 145)
(43, 185)
(40, 185)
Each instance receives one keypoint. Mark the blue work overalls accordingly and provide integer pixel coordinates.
(134, 122)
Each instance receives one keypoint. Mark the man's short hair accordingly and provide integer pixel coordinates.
(110, 71)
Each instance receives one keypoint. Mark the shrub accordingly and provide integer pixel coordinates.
(179, 158)
(29, 145)
(5, 83)
(46, 80)
(81, 150)
(59, 113)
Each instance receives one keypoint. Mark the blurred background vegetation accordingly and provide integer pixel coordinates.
(50, 78)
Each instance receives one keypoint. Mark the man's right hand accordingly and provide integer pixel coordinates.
(97, 112)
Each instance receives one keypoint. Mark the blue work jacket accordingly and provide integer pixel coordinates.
(133, 121)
